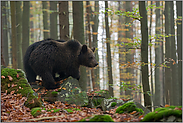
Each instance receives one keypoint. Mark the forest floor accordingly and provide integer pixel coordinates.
(14, 110)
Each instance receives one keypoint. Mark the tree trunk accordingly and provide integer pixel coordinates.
(109, 61)
(129, 55)
(88, 8)
(168, 77)
(158, 59)
(4, 33)
(19, 34)
(45, 19)
(64, 20)
(78, 28)
(25, 26)
(95, 43)
(53, 20)
(122, 58)
(179, 49)
(174, 82)
(151, 76)
(144, 53)
(14, 36)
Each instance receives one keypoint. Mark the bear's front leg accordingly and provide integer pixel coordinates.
(48, 81)
(76, 75)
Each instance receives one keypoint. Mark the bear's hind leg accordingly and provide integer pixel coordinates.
(48, 81)
(31, 76)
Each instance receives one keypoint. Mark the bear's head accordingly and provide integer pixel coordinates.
(87, 57)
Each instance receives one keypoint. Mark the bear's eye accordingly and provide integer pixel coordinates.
(91, 57)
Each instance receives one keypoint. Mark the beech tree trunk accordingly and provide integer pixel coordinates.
(144, 54)
(109, 61)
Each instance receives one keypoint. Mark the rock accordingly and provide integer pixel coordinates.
(178, 120)
(171, 119)
(15, 81)
(106, 104)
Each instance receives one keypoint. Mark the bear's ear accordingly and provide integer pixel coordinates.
(84, 49)
(93, 49)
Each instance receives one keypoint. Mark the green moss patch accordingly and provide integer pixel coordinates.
(98, 118)
(128, 107)
(160, 113)
(14, 81)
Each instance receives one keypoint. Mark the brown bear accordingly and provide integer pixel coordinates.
(30, 74)
(63, 58)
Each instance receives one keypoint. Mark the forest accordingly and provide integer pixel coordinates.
(138, 47)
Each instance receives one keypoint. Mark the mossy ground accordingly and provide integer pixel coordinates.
(18, 84)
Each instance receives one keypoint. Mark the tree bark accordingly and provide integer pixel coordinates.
(4, 33)
(144, 53)
(25, 26)
(179, 49)
(78, 28)
(19, 34)
(14, 36)
(45, 19)
(109, 61)
(53, 20)
(64, 20)
(158, 61)
(95, 43)
(129, 55)
(89, 38)
(168, 77)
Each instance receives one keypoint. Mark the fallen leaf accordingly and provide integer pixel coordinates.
(10, 78)
(3, 77)
(167, 105)
(17, 75)
(133, 112)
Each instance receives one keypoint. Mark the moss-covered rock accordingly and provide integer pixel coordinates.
(98, 118)
(14, 81)
(163, 113)
(128, 107)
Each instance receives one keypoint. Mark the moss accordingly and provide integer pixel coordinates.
(97, 101)
(54, 93)
(98, 118)
(36, 111)
(19, 85)
(113, 104)
(69, 110)
(9, 72)
(54, 110)
(59, 90)
(77, 109)
(128, 107)
(160, 113)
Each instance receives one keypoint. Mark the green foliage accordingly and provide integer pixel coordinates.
(128, 107)
(160, 113)
(98, 118)
(113, 104)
